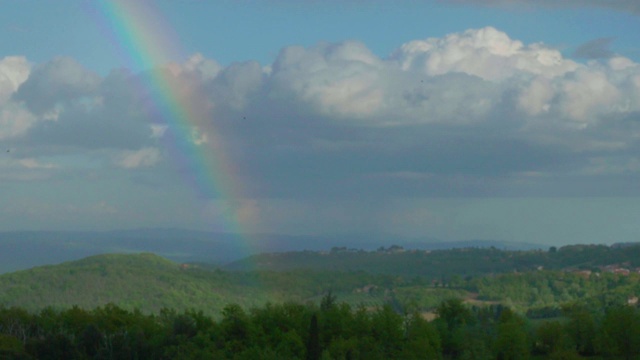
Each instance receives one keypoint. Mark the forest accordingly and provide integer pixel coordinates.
(328, 330)
(572, 302)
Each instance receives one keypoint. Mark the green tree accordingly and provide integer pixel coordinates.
(422, 339)
(12, 348)
(621, 331)
(453, 319)
(551, 337)
(386, 328)
(512, 342)
(313, 342)
(235, 329)
(581, 329)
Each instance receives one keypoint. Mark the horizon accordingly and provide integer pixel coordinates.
(427, 119)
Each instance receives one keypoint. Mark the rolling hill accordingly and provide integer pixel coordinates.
(25, 249)
(389, 275)
(149, 282)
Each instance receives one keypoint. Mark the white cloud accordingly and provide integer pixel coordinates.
(144, 157)
(14, 70)
(535, 97)
(589, 93)
(476, 102)
(336, 79)
(206, 69)
(487, 53)
(14, 120)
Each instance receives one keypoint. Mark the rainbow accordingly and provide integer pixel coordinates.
(146, 42)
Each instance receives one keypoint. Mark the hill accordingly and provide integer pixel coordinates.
(149, 282)
(405, 279)
(25, 249)
(438, 264)
(97, 280)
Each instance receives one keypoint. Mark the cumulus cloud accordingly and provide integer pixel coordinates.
(450, 115)
(14, 70)
(487, 53)
(341, 79)
(14, 120)
(57, 83)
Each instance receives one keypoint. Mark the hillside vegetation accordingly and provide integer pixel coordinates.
(437, 264)
(567, 303)
(407, 280)
(149, 283)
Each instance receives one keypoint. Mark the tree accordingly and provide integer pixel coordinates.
(621, 331)
(386, 327)
(235, 329)
(313, 342)
(452, 321)
(581, 329)
(551, 338)
(422, 339)
(512, 342)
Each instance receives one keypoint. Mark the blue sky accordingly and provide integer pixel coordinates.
(510, 120)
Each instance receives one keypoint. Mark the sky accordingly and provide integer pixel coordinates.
(452, 120)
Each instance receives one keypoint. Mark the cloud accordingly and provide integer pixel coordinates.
(14, 70)
(470, 113)
(631, 6)
(30, 163)
(340, 79)
(57, 82)
(145, 157)
(487, 53)
(14, 121)
(25, 169)
(595, 49)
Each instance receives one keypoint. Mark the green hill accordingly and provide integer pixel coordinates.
(415, 279)
(445, 264)
(145, 281)
(149, 282)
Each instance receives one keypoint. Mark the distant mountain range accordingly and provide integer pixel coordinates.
(26, 249)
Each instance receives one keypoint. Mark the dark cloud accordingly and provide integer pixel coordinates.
(109, 114)
(631, 6)
(595, 49)
(60, 81)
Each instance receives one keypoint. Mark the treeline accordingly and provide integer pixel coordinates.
(330, 330)
(438, 264)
